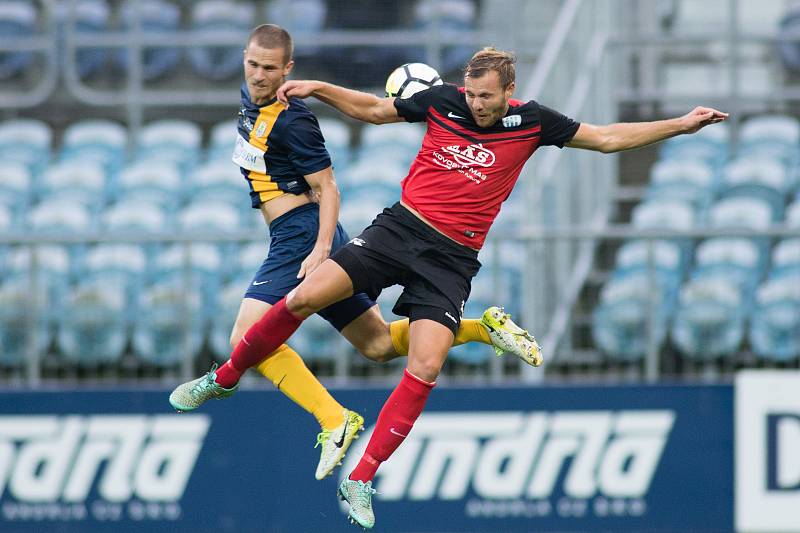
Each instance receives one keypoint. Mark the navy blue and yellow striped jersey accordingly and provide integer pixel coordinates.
(277, 146)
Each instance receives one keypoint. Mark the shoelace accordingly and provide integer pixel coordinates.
(364, 494)
(322, 437)
(204, 384)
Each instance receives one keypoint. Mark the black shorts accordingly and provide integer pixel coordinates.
(398, 248)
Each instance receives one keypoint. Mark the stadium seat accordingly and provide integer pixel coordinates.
(76, 181)
(223, 140)
(396, 143)
(317, 340)
(99, 141)
(793, 214)
(785, 257)
(666, 258)
(58, 216)
(382, 175)
(775, 129)
(92, 327)
(448, 18)
(173, 141)
(302, 19)
(220, 181)
(17, 20)
(775, 321)
(150, 181)
(630, 309)
(15, 188)
(196, 267)
(26, 141)
(157, 17)
(135, 215)
(663, 214)
(757, 177)
(337, 140)
(89, 17)
(709, 320)
(15, 323)
(788, 46)
(170, 323)
(360, 206)
(709, 145)
(736, 260)
(248, 259)
(226, 18)
(691, 182)
(741, 212)
(230, 299)
(120, 265)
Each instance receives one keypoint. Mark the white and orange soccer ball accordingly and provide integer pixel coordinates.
(411, 78)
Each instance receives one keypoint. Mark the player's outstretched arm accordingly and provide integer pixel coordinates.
(355, 104)
(629, 135)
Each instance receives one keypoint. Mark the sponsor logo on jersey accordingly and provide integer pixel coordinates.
(261, 129)
(248, 156)
(466, 160)
(103, 467)
(528, 464)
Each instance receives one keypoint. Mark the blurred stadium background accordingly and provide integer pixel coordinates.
(127, 240)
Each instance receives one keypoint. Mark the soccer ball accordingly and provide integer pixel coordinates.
(411, 78)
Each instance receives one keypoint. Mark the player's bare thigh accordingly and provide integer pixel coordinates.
(250, 311)
(328, 284)
(369, 334)
(429, 343)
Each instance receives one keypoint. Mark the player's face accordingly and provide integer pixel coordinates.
(486, 98)
(264, 72)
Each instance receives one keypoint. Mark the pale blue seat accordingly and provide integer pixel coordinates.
(662, 214)
(159, 18)
(26, 141)
(785, 257)
(752, 213)
(58, 216)
(89, 17)
(709, 321)
(221, 181)
(631, 306)
(771, 136)
(170, 141)
(338, 141)
(198, 265)
(666, 259)
(302, 19)
(223, 140)
(361, 205)
(736, 260)
(709, 145)
(213, 216)
(229, 301)
(100, 141)
(448, 18)
(691, 182)
(775, 321)
(757, 177)
(75, 181)
(171, 323)
(92, 328)
(16, 189)
(226, 18)
(17, 20)
(397, 143)
(150, 181)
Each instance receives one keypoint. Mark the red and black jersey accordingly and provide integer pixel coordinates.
(463, 172)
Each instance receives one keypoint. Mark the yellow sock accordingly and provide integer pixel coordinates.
(471, 330)
(287, 371)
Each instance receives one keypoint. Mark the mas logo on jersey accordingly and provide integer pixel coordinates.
(465, 159)
(528, 464)
(105, 467)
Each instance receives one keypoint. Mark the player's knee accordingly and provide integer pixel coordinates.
(426, 369)
(299, 302)
(380, 352)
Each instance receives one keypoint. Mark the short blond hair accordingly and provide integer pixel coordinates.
(273, 36)
(490, 58)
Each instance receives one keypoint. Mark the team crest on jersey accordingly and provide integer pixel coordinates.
(248, 125)
(261, 129)
(512, 121)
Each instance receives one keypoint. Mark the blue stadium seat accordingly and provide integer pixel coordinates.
(223, 140)
(382, 175)
(793, 214)
(92, 327)
(745, 213)
(785, 257)
(196, 267)
(248, 259)
(337, 140)
(757, 177)
(89, 17)
(663, 215)
(171, 322)
(788, 46)
(709, 321)
(709, 145)
(15, 189)
(220, 181)
(317, 340)
(99, 141)
(667, 259)
(150, 181)
(120, 265)
(448, 18)
(397, 143)
(775, 321)
(771, 136)
(736, 260)
(225, 17)
(172, 141)
(622, 320)
(157, 17)
(17, 20)
(302, 19)
(26, 141)
(360, 206)
(691, 182)
(59, 216)
(213, 216)
(51, 280)
(230, 299)
(75, 181)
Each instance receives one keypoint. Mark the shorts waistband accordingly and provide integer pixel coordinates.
(275, 224)
(403, 212)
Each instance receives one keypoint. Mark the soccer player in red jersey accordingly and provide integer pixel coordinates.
(478, 138)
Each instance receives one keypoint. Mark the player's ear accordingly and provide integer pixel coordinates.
(510, 90)
(288, 68)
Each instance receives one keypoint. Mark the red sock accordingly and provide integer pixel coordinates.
(261, 339)
(395, 421)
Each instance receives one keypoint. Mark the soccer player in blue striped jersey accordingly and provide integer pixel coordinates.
(282, 156)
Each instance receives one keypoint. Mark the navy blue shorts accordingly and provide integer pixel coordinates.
(292, 237)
